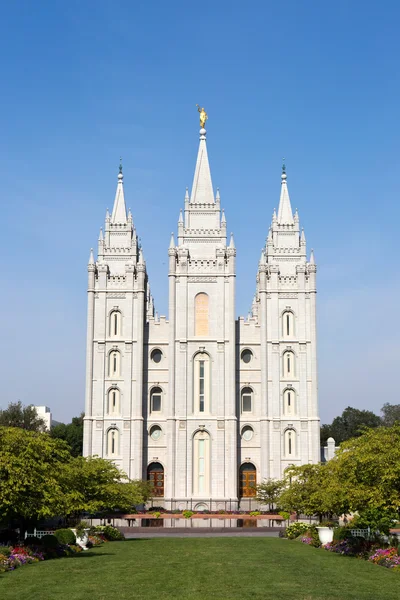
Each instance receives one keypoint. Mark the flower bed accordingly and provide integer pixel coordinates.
(35, 550)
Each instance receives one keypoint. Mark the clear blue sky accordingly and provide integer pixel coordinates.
(84, 82)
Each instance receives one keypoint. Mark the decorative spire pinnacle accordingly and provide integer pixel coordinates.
(223, 218)
(120, 166)
(217, 196)
(119, 209)
(262, 257)
(91, 257)
(202, 189)
(312, 258)
(180, 220)
(285, 215)
(232, 242)
(101, 235)
(283, 167)
(187, 195)
(172, 242)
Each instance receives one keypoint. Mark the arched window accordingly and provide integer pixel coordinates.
(288, 324)
(114, 363)
(201, 387)
(113, 405)
(155, 474)
(201, 315)
(288, 364)
(247, 480)
(201, 464)
(155, 433)
(113, 442)
(155, 399)
(247, 433)
(115, 323)
(246, 400)
(290, 443)
(289, 402)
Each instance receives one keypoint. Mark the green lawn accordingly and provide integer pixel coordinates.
(202, 569)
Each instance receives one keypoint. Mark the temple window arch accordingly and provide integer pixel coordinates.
(113, 401)
(113, 442)
(288, 364)
(289, 401)
(201, 315)
(115, 323)
(114, 363)
(201, 463)
(288, 324)
(201, 383)
(246, 400)
(290, 443)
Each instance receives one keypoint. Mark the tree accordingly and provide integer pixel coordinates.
(71, 433)
(390, 414)
(368, 469)
(39, 479)
(96, 485)
(25, 417)
(30, 487)
(313, 490)
(269, 491)
(350, 424)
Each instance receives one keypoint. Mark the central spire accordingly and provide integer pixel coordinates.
(202, 189)
(285, 215)
(119, 210)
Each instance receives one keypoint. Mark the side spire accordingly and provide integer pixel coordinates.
(119, 210)
(285, 215)
(202, 189)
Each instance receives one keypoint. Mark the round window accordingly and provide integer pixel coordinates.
(155, 432)
(156, 355)
(247, 355)
(247, 433)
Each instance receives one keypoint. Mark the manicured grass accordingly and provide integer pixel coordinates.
(202, 569)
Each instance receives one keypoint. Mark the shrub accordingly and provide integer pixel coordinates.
(112, 534)
(313, 537)
(50, 541)
(5, 550)
(296, 529)
(342, 533)
(65, 536)
(156, 514)
(254, 513)
(284, 515)
(187, 514)
(33, 541)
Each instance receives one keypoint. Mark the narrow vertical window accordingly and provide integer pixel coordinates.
(201, 383)
(201, 464)
(247, 399)
(115, 323)
(288, 324)
(289, 402)
(201, 315)
(290, 443)
(155, 400)
(288, 364)
(113, 442)
(114, 364)
(113, 401)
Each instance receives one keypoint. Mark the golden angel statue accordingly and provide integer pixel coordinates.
(203, 116)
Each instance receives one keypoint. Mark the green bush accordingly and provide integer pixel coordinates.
(5, 550)
(187, 514)
(33, 541)
(296, 529)
(65, 536)
(50, 541)
(312, 532)
(112, 534)
(342, 533)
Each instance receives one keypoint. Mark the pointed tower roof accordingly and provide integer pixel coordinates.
(312, 258)
(232, 242)
(285, 215)
(119, 210)
(172, 242)
(202, 189)
(91, 257)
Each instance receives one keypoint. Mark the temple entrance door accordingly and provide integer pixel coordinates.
(155, 474)
(247, 480)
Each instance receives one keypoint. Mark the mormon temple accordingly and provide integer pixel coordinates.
(202, 403)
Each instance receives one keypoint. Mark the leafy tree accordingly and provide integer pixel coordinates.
(313, 490)
(390, 414)
(269, 491)
(25, 417)
(39, 478)
(368, 469)
(350, 424)
(30, 487)
(96, 485)
(71, 433)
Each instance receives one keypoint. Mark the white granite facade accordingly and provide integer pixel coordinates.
(209, 399)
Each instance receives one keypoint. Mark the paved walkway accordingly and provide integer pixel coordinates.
(179, 532)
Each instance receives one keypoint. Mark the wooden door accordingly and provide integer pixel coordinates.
(156, 477)
(248, 481)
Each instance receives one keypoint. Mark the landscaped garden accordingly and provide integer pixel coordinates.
(202, 569)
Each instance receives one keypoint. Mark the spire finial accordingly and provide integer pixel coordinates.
(120, 174)
(283, 176)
